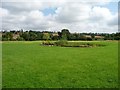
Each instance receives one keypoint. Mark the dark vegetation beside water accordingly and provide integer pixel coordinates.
(65, 43)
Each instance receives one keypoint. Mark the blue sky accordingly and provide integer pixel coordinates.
(49, 10)
(113, 6)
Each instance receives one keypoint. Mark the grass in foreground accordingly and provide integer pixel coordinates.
(29, 65)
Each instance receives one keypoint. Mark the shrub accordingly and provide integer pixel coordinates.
(47, 43)
(61, 43)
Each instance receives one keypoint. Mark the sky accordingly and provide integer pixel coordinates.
(96, 16)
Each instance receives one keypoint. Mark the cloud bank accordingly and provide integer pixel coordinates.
(76, 16)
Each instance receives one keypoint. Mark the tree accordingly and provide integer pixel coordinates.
(65, 34)
(93, 36)
(33, 36)
(39, 35)
(46, 36)
(64, 37)
(26, 36)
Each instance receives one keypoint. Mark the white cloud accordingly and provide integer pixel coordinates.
(100, 1)
(72, 12)
(35, 15)
(100, 13)
(78, 17)
(114, 20)
(3, 12)
(105, 20)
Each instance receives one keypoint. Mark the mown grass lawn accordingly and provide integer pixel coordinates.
(29, 65)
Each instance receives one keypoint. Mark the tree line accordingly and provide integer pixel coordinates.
(63, 34)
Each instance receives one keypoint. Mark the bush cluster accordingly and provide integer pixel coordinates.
(65, 43)
(47, 43)
(61, 43)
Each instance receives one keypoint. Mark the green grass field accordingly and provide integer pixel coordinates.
(29, 65)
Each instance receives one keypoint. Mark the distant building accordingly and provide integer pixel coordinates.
(15, 36)
(45, 33)
(55, 34)
(87, 36)
(99, 37)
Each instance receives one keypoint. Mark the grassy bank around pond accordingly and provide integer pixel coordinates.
(30, 65)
